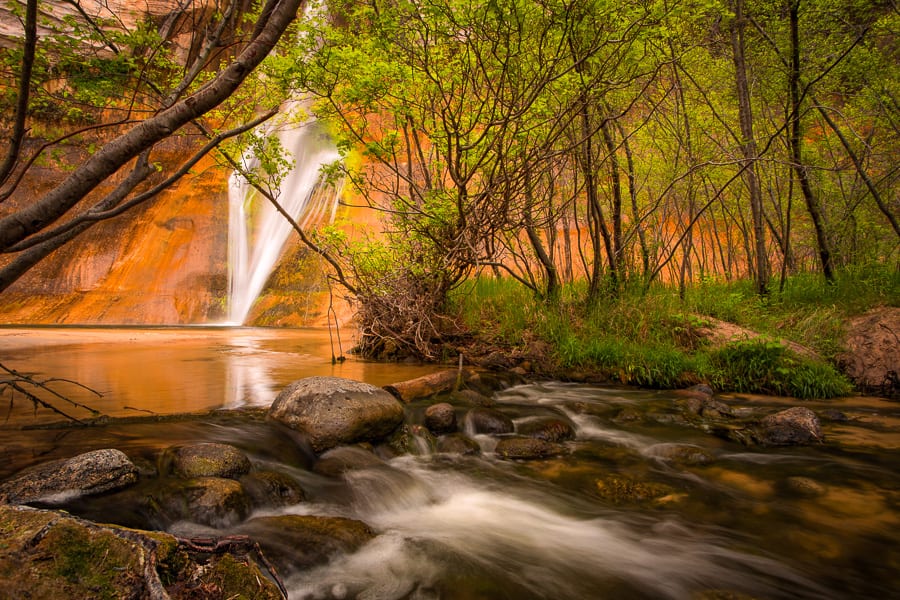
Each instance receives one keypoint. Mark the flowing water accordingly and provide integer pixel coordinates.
(622, 515)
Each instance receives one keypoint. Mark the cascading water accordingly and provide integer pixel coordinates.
(257, 233)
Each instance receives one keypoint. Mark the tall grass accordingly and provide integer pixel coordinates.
(645, 337)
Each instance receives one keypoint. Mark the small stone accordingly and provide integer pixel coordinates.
(271, 488)
(793, 426)
(803, 486)
(547, 428)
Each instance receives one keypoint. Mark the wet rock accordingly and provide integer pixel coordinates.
(527, 448)
(338, 461)
(472, 398)
(629, 414)
(331, 411)
(458, 443)
(832, 414)
(623, 490)
(210, 460)
(684, 454)
(790, 427)
(412, 439)
(46, 554)
(802, 486)
(547, 428)
(89, 473)
(212, 501)
(440, 418)
(295, 542)
(272, 489)
(705, 406)
(489, 421)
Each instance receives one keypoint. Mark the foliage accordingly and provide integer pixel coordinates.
(647, 339)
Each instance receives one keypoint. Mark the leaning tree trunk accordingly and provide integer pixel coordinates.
(796, 140)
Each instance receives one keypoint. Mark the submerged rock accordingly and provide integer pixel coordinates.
(802, 486)
(89, 473)
(338, 461)
(458, 443)
(440, 418)
(549, 429)
(210, 460)
(296, 542)
(489, 421)
(271, 488)
(624, 490)
(684, 454)
(528, 448)
(330, 411)
(212, 501)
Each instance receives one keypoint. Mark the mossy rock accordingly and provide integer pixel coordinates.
(210, 460)
(46, 554)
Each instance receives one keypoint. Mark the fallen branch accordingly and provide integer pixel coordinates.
(31, 388)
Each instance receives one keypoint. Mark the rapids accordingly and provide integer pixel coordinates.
(619, 516)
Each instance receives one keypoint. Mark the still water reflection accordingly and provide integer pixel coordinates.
(172, 370)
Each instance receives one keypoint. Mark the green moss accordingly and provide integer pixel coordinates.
(240, 580)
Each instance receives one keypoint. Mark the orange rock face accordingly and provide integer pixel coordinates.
(160, 264)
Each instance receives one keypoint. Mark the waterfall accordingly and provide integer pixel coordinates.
(257, 233)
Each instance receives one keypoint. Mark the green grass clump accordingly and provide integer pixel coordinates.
(766, 366)
(649, 337)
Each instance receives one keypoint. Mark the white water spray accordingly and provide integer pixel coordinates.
(257, 233)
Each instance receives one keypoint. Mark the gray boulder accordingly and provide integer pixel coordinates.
(331, 411)
(61, 480)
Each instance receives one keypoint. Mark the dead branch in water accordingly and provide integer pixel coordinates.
(31, 389)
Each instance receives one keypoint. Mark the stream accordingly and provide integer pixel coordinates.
(642, 505)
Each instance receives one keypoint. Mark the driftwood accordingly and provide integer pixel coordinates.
(428, 385)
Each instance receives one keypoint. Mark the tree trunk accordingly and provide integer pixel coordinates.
(749, 150)
(796, 139)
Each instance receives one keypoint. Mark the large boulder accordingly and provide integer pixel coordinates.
(872, 355)
(331, 411)
(60, 480)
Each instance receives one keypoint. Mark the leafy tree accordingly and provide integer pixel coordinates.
(127, 88)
